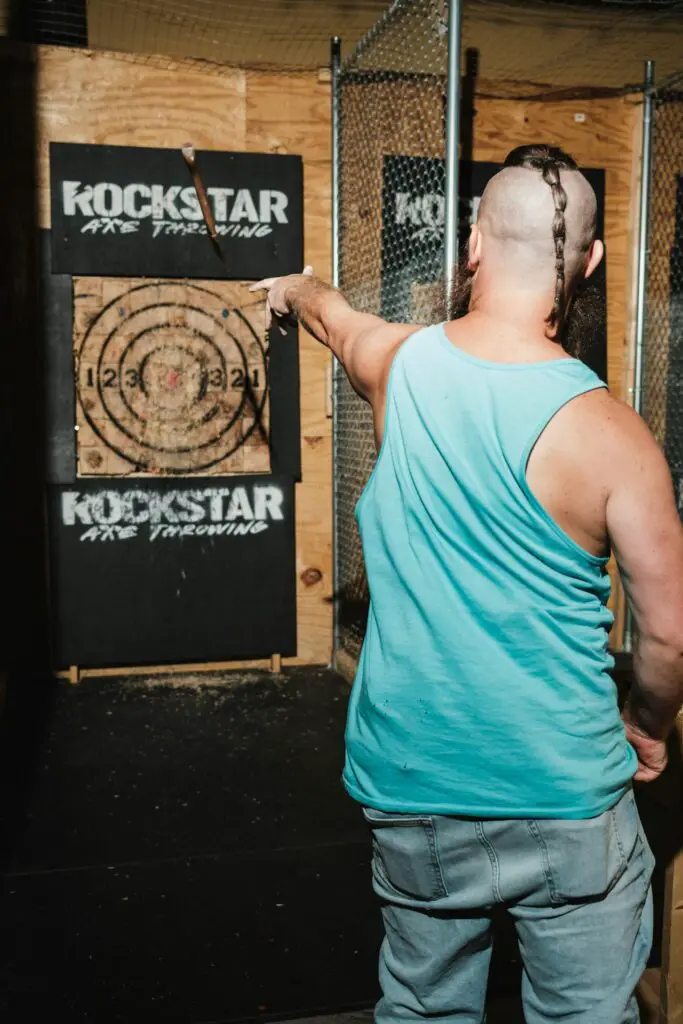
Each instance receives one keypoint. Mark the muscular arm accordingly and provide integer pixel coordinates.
(647, 538)
(364, 344)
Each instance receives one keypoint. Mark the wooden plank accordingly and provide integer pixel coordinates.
(290, 113)
(95, 97)
(187, 668)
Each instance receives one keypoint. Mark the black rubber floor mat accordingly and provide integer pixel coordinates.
(184, 853)
(205, 939)
(130, 770)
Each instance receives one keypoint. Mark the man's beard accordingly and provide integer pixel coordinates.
(582, 330)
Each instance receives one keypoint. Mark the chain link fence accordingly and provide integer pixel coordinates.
(663, 363)
(544, 57)
(391, 195)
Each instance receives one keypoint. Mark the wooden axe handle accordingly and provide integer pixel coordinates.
(190, 157)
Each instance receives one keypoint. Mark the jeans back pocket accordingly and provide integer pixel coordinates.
(584, 859)
(405, 859)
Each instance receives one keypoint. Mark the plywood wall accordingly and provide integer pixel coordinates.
(117, 99)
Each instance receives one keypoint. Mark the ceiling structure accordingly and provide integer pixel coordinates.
(590, 42)
(564, 43)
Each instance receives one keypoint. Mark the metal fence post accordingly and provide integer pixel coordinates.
(452, 204)
(641, 276)
(335, 64)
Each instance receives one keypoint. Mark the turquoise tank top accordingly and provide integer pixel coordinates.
(484, 686)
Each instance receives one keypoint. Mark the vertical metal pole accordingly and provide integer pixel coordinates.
(451, 209)
(335, 64)
(641, 274)
(643, 233)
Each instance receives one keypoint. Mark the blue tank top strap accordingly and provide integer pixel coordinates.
(573, 379)
(528, 395)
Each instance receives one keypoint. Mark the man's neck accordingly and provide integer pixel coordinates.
(516, 313)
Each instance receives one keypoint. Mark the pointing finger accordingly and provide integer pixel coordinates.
(264, 285)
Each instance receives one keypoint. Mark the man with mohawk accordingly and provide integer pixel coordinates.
(484, 740)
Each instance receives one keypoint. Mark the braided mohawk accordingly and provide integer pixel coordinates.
(550, 160)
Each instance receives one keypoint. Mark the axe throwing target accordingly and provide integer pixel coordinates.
(171, 378)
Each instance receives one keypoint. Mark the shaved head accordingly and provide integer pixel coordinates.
(516, 218)
(534, 239)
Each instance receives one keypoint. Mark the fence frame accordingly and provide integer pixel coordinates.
(641, 280)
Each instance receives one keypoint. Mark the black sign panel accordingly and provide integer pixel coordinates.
(128, 211)
(154, 572)
(413, 214)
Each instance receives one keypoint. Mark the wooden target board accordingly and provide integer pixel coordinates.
(171, 378)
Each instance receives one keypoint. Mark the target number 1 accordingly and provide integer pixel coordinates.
(110, 378)
(237, 378)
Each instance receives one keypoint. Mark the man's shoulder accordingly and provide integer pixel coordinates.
(618, 420)
(614, 430)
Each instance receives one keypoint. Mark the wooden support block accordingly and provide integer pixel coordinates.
(74, 675)
(276, 664)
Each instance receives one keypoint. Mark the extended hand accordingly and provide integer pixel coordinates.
(276, 300)
(652, 753)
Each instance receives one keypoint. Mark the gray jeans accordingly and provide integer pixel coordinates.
(578, 891)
